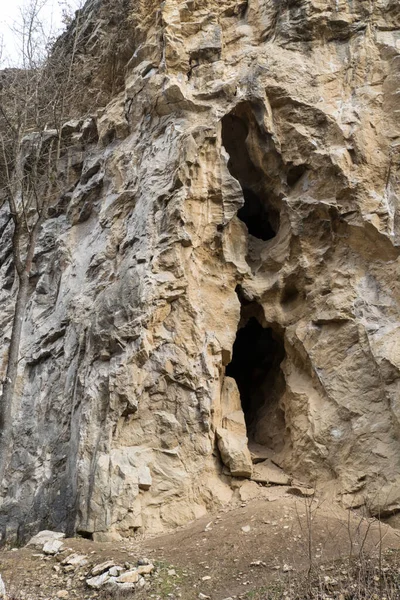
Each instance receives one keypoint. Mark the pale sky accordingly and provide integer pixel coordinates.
(10, 16)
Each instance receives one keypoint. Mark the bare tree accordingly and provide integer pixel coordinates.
(35, 102)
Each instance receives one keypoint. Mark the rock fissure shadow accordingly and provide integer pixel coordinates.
(257, 355)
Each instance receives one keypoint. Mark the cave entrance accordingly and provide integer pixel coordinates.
(258, 212)
(255, 216)
(257, 354)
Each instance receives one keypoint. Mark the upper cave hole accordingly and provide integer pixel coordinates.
(290, 294)
(256, 213)
(294, 174)
(234, 135)
(255, 216)
(255, 366)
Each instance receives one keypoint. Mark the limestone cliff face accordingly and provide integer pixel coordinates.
(231, 222)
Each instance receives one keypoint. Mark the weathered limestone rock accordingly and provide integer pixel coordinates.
(115, 571)
(129, 577)
(249, 491)
(52, 547)
(102, 567)
(113, 586)
(226, 250)
(234, 452)
(97, 582)
(267, 472)
(232, 434)
(235, 422)
(45, 537)
(230, 399)
(144, 478)
(145, 569)
(75, 560)
(259, 453)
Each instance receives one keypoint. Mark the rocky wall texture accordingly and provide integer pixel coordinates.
(243, 186)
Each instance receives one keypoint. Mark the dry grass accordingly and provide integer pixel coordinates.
(365, 578)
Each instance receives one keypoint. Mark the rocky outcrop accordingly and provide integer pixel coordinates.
(234, 213)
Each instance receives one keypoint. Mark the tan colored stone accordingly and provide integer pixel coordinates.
(267, 472)
(145, 569)
(235, 422)
(129, 577)
(249, 491)
(259, 453)
(234, 452)
(230, 397)
(106, 536)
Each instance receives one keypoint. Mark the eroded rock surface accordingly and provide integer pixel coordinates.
(233, 211)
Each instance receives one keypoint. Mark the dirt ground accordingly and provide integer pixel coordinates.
(234, 553)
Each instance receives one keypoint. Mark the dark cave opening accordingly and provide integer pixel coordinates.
(261, 220)
(255, 216)
(255, 366)
(85, 534)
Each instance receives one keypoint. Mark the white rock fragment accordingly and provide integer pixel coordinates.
(141, 582)
(115, 571)
(97, 582)
(45, 536)
(53, 547)
(125, 586)
(2, 589)
(75, 560)
(144, 478)
(246, 529)
(110, 583)
(105, 566)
